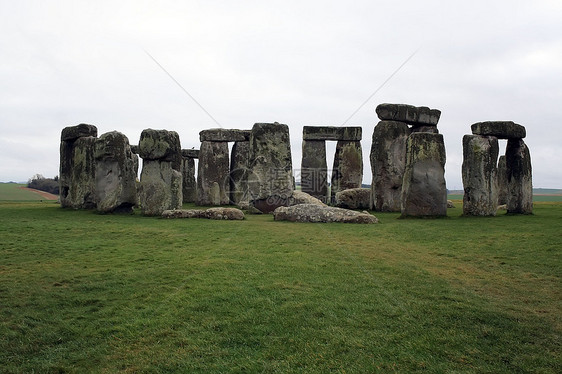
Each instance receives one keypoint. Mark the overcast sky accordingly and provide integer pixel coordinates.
(294, 62)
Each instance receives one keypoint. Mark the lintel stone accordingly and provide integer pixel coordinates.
(409, 114)
(82, 130)
(190, 153)
(499, 129)
(349, 133)
(224, 135)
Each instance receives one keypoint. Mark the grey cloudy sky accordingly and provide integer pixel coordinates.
(296, 62)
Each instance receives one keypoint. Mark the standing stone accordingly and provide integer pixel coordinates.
(160, 187)
(424, 193)
(116, 172)
(271, 182)
(519, 177)
(479, 175)
(213, 174)
(314, 169)
(189, 184)
(347, 171)
(77, 167)
(239, 161)
(161, 179)
(502, 181)
(388, 162)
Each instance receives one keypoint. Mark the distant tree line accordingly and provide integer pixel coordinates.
(41, 183)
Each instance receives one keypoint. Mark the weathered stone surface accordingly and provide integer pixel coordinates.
(314, 170)
(161, 145)
(189, 184)
(116, 190)
(319, 213)
(479, 175)
(71, 133)
(502, 181)
(77, 173)
(388, 162)
(160, 187)
(347, 171)
(349, 133)
(499, 129)
(211, 213)
(224, 135)
(213, 174)
(135, 149)
(271, 181)
(426, 128)
(354, 198)
(408, 113)
(424, 193)
(519, 177)
(450, 204)
(239, 162)
(300, 197)
(190, 153)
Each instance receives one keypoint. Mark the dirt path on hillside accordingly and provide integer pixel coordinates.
(43, 194)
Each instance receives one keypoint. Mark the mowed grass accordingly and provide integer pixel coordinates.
(15, 192)
(82, 292)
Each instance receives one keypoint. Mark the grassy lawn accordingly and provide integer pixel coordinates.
(82, 292)
(14, 192)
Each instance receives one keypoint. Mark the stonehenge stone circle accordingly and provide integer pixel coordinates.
(161, 179)
(347, 171)
(502, 181)
(224, 135)
(321, 213)
(349, 133)
(77, 167)
(213, 174)
(519, 177)
(424, 193)
(417, 116)
(499, 129)
(116, 173)
(271, 183)
(479, 175)
(388, 162)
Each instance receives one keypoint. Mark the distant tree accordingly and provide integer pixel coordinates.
(41, 183)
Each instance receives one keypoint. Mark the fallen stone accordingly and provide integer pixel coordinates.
(217, 213)
(499, 129)
(479, 175)
(300, 197)
(116, 173)
(82, 130)
(224, 135)
(450, 204)
(388, 162)
(354, 198)
(408, 113)
(349, 133)
(190, 153)
(319, 213)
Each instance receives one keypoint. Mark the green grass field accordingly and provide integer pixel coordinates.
(13, 192)
(82, 292)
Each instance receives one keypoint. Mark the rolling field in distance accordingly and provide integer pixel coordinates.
(81, 292)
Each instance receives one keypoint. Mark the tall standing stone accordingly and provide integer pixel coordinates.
(239, 162)
(388, 162)
(424, 192)
(161, 178)
(116, 172)
(502, 181)
(77, 167)
(347, 171)
(314, 169)
(519, 177)
(479, 175)
(271, 181)
(189, 184)
(213, 174)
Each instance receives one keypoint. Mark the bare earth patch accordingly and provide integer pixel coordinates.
(43, 194)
